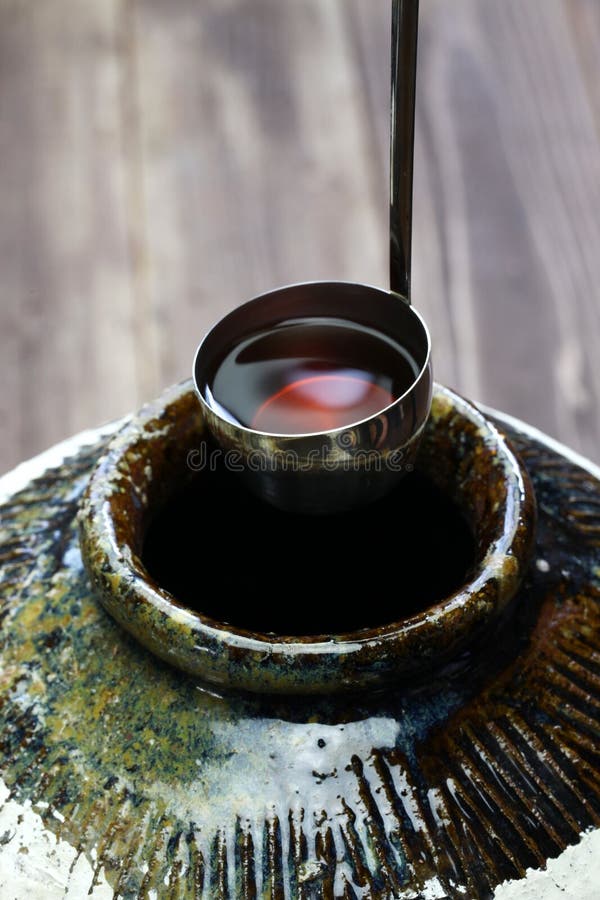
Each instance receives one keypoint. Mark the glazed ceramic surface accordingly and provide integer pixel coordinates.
(462, 452)
(125, 778)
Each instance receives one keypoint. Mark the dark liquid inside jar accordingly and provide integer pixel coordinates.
(309, 375)
(294, 574)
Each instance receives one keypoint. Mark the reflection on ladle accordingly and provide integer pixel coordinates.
(333, 378)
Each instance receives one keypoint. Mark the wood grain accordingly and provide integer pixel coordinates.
(162, 161)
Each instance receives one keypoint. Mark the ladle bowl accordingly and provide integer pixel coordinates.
(323, 471)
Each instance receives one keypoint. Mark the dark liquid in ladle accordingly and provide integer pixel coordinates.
(308, 375)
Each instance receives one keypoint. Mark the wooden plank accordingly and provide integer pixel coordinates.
(488, 274)
(506, 199)
(549, 125)
(66, 306)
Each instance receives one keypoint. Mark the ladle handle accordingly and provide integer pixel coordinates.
(405, 26)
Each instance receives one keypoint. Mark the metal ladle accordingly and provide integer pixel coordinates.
(332, 471)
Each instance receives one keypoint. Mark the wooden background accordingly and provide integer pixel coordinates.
(162, 160)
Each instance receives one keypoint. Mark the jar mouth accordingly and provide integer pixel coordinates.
(462, 454)
(334, 568)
